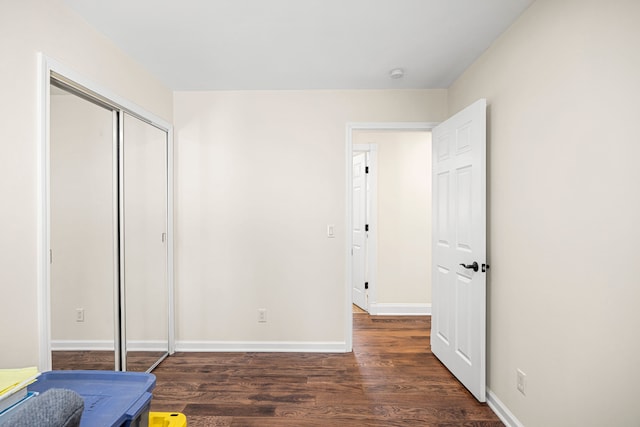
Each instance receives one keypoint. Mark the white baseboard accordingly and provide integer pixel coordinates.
(263, 346)
(105, 345)
(73, 345)
(502, 411)
(148, 346)
(406, 309)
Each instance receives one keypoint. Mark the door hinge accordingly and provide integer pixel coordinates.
(366, 227)
(366, 285)
(50, 256)
(366, 169)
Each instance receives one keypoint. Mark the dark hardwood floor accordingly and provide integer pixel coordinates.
(137, 361)
(82, 359)
(390, 379)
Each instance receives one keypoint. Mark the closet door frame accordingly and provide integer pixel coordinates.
(50, 68)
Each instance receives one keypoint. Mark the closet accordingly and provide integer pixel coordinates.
(108, 224)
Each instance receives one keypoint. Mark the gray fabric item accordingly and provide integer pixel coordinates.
(53, 408)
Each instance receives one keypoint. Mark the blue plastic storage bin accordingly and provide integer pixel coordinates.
(111, 399)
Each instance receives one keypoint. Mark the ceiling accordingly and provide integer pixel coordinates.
(302, 44)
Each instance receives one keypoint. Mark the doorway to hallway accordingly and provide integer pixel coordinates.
(391, 218)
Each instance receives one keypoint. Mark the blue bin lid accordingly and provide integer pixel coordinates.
(110, 398)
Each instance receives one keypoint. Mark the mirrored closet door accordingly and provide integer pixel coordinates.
(108, 230)
(144, 194)
(83, 243)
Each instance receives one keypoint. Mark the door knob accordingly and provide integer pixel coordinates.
(473, 266)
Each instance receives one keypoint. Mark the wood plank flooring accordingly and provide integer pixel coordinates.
(390, 379)
(356, 309)
(137, 361)
(83, 359)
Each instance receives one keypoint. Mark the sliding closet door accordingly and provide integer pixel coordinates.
(83, 245)
(144, 219)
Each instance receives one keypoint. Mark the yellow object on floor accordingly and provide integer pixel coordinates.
(11, 379)
(167, 419)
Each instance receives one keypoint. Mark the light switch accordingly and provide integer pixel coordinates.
(331, 231)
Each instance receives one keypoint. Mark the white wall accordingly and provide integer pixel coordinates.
(403, 269)
(562, 86)
(27, 27)
(259, 175)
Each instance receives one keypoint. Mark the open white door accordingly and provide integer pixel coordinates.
(359, 252)
(459, 246)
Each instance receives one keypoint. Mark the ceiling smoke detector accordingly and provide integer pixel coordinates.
(396, 73)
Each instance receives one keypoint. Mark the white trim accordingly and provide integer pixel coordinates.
(350, 127)
(116, 237)
(46, 66)
(120, 301)
(106, 345)
(44, 243)
(418, 126)
(365, 147)
(170, 240)
(68, 73)
(400, 309)
(133, 345)
(372, 218)
(501, 410)
(348, 270)
(263, 346)
(87, 345)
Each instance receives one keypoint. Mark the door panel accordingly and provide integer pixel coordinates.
(82, 242)
(441, 317)
(145, 251)
(441, 209)
(459, 226)
(359, 233)
(463, 211)
(463, 301)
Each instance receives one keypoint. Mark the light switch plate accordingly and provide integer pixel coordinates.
(331, 231)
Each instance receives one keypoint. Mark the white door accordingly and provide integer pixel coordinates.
(459, 240)
(359, 233)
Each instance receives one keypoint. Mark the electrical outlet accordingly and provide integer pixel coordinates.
(521, 381)
(79, 314)
(262, 315)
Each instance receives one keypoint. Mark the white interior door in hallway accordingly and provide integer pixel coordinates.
(359, 230)
(459, 246)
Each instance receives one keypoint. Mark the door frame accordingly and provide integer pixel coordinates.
(350, 128)
(49, 67)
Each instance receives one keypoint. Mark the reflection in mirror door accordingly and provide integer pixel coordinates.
(82, 237)
(144, 212)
